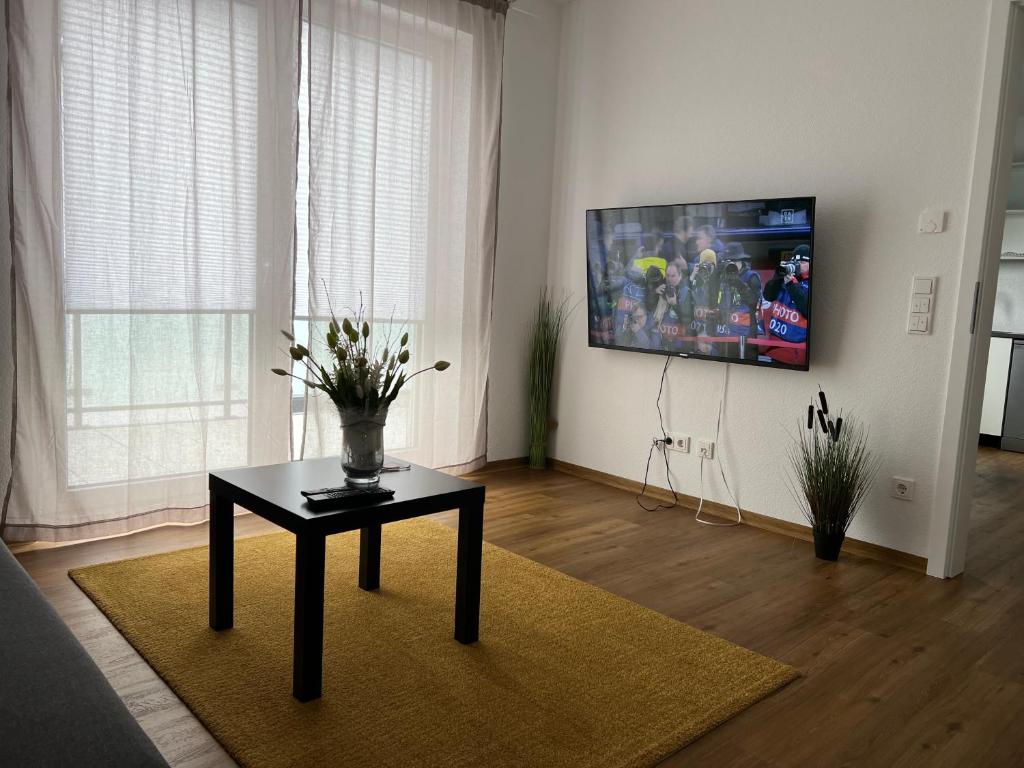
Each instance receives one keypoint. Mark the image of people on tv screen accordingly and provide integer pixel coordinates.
(726, 280)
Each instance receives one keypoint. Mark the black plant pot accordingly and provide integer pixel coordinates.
(828, 544)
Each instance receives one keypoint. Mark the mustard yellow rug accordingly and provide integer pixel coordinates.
(564, 674)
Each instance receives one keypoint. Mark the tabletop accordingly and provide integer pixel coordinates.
(273, 492)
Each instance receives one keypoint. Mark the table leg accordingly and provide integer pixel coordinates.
(308, 649)
(467, 577)
(222, 562)
(369, 557)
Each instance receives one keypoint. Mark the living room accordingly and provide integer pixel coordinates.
(451, 261)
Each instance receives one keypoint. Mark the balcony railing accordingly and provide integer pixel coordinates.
(157, 394)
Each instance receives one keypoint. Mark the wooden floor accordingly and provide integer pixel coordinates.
(898, 669)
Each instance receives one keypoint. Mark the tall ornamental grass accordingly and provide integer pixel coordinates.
(548, 324)
(833, 469)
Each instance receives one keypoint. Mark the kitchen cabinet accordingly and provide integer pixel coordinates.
(1013, 418)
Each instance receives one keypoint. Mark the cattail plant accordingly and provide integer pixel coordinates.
(833, 469)
(548, 324)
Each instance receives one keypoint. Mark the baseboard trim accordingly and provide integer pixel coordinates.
(502, 465)
(753, 519)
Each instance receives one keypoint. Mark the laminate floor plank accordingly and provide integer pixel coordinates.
(898, 669)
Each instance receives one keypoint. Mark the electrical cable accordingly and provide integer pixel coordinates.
(721, 467)
(664, 452)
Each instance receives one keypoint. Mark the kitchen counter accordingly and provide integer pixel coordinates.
(1007, 335)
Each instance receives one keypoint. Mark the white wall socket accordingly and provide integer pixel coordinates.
(706, 449)
(680, 443)
(931, 221)
(902, 489)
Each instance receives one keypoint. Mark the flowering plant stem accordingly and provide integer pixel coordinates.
(355, 376)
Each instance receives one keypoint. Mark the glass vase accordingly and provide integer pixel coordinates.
(362, 446)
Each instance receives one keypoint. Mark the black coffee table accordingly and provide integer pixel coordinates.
(272, 492)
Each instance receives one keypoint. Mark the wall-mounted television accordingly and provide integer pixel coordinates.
(727, 281)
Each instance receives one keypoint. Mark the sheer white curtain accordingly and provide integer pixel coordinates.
(169, 218)
(400, 109)
(154, 154)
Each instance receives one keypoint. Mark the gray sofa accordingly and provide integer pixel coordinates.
(56, 707)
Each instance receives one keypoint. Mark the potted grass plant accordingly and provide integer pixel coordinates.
(548, 324)
(362, 382)
(833, 471)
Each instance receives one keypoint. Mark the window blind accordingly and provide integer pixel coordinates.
(159, 161)
(367, 106)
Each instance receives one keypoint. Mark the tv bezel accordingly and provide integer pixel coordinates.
(696, 355)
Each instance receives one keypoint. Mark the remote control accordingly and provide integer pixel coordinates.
(338, 498)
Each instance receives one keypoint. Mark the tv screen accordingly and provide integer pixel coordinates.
(726, 281)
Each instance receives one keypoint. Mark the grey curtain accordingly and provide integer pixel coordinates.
(8, 365)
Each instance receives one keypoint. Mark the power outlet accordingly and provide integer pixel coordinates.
(706, 449)
(680, 443)
(902, 489)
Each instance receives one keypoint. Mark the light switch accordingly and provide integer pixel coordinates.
(920, 320)
(931, 221)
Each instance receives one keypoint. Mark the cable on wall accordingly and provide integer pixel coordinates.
(662, 444)
(721, 466)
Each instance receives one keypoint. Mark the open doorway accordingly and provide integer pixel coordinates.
(981, 466)
(999, 469)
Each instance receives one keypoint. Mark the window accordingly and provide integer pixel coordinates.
(160, 182)
(369, 206)
(159, 115)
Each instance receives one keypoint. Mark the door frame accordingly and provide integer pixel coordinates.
(986, 215)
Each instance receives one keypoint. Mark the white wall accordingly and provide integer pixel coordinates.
(872, 107)
(529, 101)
